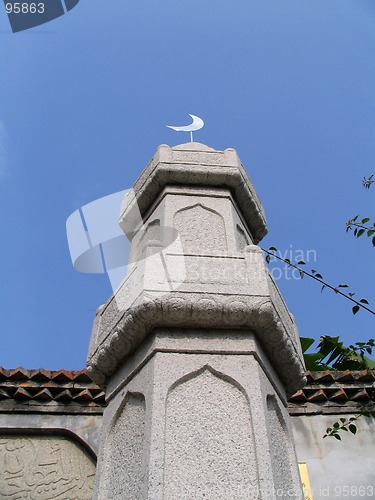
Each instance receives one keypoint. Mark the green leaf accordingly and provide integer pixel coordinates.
(370, 363)
(353, 428)
(355, 309)
(301, 262)
(306, 343)
(366, 219)
(364, 301)
(360, 232)
(337, 353)
(343, 285)
(337, 436)
(268, 258)
(314, 363)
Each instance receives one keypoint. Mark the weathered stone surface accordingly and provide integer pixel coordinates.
(204, 451)
(337, 469)
(44, 468)
(226, 291)
(122, 475)
(197, 164)
(196, 348)
(193, 263)
(205, 422)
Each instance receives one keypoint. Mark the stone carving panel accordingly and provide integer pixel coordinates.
(209, 449)
(44, 468)
(242, 239)
(151, 233)
(201, 230)
(281, 450)
(123, 454)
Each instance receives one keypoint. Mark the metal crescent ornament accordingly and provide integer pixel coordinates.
(196, 124)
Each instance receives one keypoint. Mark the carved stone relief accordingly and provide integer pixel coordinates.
(151, 233)
(242, 240)
(201, 229)
(209, 449)
(281, 449)
(44, 468)
(121, 476)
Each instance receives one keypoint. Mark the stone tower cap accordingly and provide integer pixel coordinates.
(197, 164)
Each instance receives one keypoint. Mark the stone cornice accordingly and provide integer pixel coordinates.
(206, 312)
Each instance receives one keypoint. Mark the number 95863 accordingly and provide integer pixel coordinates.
(24, 8)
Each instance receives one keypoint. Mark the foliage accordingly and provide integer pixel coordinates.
(363, 226)
(367, 182)
(333, 355)
(272, 252)
(342, 425)
(360, 228)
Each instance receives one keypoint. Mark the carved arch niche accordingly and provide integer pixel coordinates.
(121, 476)
(150, 233)
(241, 239)
(201, 229)
(280, 447)
(208, 442)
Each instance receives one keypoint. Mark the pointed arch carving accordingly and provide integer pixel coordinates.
(201, 229)
(152, 232)
(209, 440)
(280, 446)
(242, 239)
(121, 474)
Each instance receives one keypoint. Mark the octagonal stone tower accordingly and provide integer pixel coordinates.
(196, 348)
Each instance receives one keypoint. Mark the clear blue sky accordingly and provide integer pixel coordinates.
(84, 101)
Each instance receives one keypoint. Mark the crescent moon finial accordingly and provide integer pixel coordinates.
(196, 124)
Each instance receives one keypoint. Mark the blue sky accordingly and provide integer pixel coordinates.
(83, 107)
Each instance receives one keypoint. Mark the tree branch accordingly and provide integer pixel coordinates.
(317, 277)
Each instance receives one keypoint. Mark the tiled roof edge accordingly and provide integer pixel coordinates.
(325, 388)
(43, 386)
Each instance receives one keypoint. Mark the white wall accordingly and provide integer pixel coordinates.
(337, 469)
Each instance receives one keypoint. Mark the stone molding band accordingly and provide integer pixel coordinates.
(206, 312)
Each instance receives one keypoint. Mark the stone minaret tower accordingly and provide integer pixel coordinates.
(196, 349)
